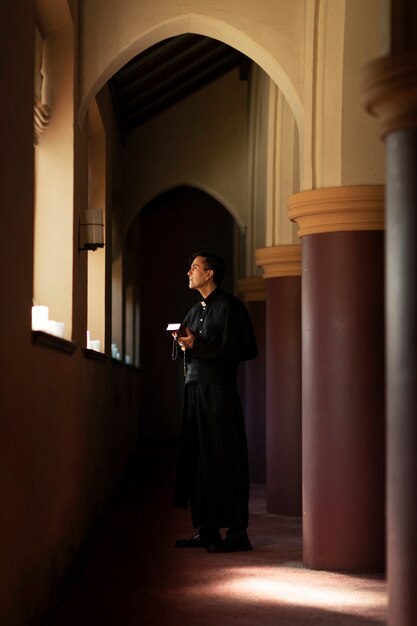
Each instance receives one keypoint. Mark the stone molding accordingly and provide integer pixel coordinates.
(277, 261)
(390, 88)
(42, 117)
(336, 209)
(252, 289)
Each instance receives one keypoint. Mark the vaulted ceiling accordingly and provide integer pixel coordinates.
(166, 73)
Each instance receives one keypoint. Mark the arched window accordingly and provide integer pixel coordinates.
(96, 200)
(54, 173)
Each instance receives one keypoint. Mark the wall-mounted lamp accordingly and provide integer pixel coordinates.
(91, 233)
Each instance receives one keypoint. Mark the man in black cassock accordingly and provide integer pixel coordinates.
(213, 474)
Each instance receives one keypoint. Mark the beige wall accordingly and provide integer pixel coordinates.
(54, 185)
(269, 32)
(257, 157)
(202, 142)
(96, 200)
(345, 147)
(362, 155)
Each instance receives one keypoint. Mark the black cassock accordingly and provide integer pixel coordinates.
(212, 473)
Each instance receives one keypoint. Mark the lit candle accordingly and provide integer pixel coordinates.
(40, 317)
(60, 329)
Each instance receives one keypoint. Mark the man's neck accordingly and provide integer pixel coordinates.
(207, 289)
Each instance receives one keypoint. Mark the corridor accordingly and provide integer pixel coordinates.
(133, 575)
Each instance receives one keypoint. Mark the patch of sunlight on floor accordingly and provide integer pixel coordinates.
(301, 587)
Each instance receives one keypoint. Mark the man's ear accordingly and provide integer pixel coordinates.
(210, 274)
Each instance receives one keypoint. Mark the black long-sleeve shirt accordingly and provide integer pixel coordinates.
(224, 337)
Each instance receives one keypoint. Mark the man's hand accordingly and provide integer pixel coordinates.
(186, 342)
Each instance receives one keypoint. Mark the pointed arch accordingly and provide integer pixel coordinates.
(201, 25)
(196, 185)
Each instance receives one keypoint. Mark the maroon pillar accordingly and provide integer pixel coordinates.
(283, 359)
(392, 96)
(343, 401)
(402, 375)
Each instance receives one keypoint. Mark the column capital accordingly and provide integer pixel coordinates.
(390, 88)
(279, 261)
(335, 209)
(252, 289)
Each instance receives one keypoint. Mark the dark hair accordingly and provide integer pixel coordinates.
(212, 262)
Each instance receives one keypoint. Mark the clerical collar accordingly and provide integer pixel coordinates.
(205, 301)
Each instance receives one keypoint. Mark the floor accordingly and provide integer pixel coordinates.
(135, 576)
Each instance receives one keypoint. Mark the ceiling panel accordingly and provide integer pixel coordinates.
(166, 73)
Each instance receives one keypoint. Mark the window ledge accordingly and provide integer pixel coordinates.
(131, 366)
(117, 362)
(95, 355)
(52, 341)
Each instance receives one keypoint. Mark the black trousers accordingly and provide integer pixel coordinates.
(213, 473)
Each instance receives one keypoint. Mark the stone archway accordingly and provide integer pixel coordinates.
(197, 185)
(95, 75)
(170, 228)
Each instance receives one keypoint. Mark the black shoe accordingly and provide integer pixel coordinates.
(234, 542)
(201, 540)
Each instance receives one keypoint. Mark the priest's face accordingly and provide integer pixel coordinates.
(197, 275)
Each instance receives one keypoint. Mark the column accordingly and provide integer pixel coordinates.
(252, 291)
(282, 270)
(391, 91)
(342, 376)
